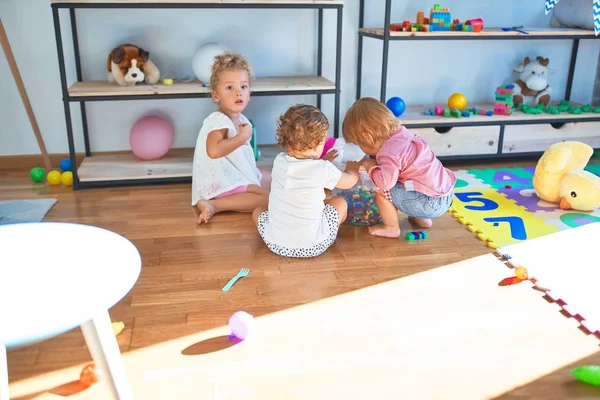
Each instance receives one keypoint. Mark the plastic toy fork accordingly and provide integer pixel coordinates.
(243, 273)
(516, 29)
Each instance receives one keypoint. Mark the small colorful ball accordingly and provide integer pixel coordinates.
(521, 273)
(66, 178)
(241, 324)
(37, 174)
(458, 101)
(65, 165)
(89, 375)
(396, 105)
(53, 178)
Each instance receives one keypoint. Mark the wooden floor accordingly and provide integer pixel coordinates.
(184, 267)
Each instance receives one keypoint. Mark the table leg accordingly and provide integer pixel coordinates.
(3, 373)
(103, 346)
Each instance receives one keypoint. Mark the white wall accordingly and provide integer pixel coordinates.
(420, 72)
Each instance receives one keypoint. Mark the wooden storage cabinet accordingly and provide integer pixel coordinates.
(481, 136)
(536, 138)
(462, 140)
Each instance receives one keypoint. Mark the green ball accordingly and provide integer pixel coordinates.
(37, 174)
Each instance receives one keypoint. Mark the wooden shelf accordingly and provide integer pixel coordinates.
(271, 85)
(124, 166)
(166, 2)
(414, 116)
(487, 34)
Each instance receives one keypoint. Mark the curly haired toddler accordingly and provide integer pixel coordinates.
(300, 222)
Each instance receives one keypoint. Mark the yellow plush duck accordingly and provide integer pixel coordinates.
(560, 177)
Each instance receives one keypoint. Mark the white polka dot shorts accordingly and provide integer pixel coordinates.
(332, 217)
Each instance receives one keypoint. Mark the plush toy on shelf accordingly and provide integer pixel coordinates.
(532, 86)
(128, 64)
(560, 177)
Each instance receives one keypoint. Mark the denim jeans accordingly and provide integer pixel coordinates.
(419, 205)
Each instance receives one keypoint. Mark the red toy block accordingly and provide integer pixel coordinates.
(439, 110)
(476, 23)
(395, 27)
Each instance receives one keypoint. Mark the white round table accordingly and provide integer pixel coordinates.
(58, 276)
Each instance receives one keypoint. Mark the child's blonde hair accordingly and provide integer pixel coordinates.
(228, 61)
(302, 127)
(368, 121)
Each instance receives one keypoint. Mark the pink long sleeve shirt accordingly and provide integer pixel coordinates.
(406, 158)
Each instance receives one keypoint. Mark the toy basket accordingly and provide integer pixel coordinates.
(362, 209)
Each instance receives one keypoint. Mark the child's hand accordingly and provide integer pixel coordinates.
(368, 163)
(245, 131)
(331, 155)
(352, 166)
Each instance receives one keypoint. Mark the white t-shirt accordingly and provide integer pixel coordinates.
(296, 201)
(211, 177)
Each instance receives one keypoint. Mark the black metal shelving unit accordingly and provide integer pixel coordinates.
(69, 97)
(384, 34)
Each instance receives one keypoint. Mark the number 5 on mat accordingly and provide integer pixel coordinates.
(470, 197)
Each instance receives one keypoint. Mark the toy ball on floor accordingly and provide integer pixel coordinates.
(151, 137)
(65, 165)
(66, 178)
(396, 105)
(53, 178)
(37, 174)
(241, 324)
(204, 58)
(458, 101)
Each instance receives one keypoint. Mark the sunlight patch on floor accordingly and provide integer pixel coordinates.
(449, 332)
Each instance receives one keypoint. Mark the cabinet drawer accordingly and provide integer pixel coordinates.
(462, 140)
(536, 138)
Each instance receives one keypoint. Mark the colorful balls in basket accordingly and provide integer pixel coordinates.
(362, 209)
(396, 105)
(151, 137)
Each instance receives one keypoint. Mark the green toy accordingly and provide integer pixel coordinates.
(589, 374)
(563, 106)
(253, 142)
(37, 174)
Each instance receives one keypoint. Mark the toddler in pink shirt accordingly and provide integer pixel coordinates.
(406, 174)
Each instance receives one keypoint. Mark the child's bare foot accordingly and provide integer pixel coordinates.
(207, 210)
(422, 222)
(388, 231)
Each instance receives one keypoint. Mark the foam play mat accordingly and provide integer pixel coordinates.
(500, 206)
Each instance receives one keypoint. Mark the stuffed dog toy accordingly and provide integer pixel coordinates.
(129, 64)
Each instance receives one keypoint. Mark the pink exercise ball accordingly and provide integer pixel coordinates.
(151, 137)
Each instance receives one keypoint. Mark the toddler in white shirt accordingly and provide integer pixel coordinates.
(299, 221)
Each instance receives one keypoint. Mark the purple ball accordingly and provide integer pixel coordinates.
(241, 324)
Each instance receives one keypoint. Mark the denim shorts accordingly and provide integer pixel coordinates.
(419, 205)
